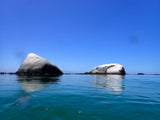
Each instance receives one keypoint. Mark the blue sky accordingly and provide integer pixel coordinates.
(78, 35)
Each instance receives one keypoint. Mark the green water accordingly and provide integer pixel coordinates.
(80, 97)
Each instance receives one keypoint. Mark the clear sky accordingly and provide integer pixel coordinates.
(78, 35)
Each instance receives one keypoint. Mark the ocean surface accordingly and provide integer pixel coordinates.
(80, 97)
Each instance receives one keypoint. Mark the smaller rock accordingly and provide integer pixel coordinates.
(112, 68)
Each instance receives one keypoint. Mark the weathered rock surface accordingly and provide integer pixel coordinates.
(36, 65)
(113, 68)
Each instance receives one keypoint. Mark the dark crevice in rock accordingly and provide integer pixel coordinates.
(108, 68)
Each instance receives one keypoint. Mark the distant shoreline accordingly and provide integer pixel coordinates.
(12, 73)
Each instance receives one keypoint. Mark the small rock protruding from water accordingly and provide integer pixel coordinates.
(140, 73)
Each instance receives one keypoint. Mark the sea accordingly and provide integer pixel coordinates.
(80, 97)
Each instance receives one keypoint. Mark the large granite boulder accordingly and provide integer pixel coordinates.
(36, 65)
(109, 69)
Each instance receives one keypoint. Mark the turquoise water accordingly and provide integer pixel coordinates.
(80, 97)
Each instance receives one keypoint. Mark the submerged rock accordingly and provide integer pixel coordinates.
(36, 65)
(108, 69)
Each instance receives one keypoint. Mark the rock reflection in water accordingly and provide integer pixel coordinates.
(111, 83)
(33, 83)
